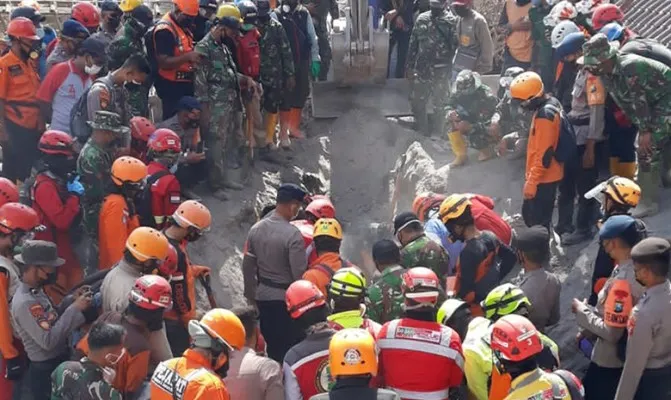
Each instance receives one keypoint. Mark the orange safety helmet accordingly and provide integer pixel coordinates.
(128, 170)
(515, 338)
(302, 296)
(192, 214)
(425, 203)
(188, 7)
(165, 140)
(151, 292)
(321, 207)
(22, 27)
(9, 193)
(86, 14)
(56, 142)
(526, 86)
(420, 287)
(619, 303)
(352, 352)
(141, 128)
(606, 13)
(225, 327)
(146, 243)
(18, 217)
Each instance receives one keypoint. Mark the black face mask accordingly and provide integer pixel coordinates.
(193, 236)
(194, 123)
(50, 279)
(61, 166)
(262, 19)
(522, 3)
(114, 22)
(187, 21)
(436, 11)
(153, 318)
(460, 10)
(223, 370)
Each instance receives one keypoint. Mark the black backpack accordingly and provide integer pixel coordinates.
(143, 201)
(567, 145)
(79, 115)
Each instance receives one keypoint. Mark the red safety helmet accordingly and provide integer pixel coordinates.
(302, 296)
(9, 193)
(321, 207)
(169, 266)
(22, 27)
(151, 292)
(420, 287)
(86, 14)
(141, 128)
(604, 14)
(18, 217)
(426, 202)
(56, 142)
(165, 140)
(515, 338)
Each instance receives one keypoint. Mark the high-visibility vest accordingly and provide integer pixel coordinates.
(183, 45)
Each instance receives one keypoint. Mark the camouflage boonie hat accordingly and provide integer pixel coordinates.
(597, 50)
(467, 82)
(508, 76)
(108, 121)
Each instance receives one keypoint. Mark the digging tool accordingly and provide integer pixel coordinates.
(207, 284)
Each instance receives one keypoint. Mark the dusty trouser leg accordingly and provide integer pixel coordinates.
(648, 180)
(481, 141)
(215, 154)
(567, 193)
(233, 147)
(89, 243)
(324, 49)
(419, 97)
(440, 94)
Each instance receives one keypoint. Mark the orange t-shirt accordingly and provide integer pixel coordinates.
(114, 225)
(19, 83)
(519, 43)
(317, 274)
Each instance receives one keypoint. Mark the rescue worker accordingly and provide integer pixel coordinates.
(617, 196)
(540, 286)
(20, 122)
(65, 47)
(42, 330)
(513, 124)
(164, 151)
(353, 365)
(542, 61)
(305, 48)
(639, 86)
(198, 374)
(18, 223)
(187, 224)
(470, 96)
(543, 171)
(430, 53)
(417, 249)
(275, 257)
(319, 11)
(87, 14)
(604, 14)
(437, 364)
(55, 197)
(146, 248)
(110, 20)
(476, 48)
(346, 295)
(632, 43)
(173, 55)
(327, 237)
(384, 298)
(217, 85)
(484, 260)
(305, 365)
(646, 366)
(94, 166)
(426, 206)
(619, 235)
(9, 193)
(141, 130)
(118, 213)
(129, 41)
(319, 207)
(148, 300)
(127, 6)
(276, 71)
(252, 376)
(207, 11)
(516, 26)
(90, 377)
(33, 14)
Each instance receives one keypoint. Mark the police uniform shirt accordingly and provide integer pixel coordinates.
(649, 343)
(43, 332)
(542, 288)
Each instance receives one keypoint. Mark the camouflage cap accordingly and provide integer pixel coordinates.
(597, 50)
(508, 76)
(467, 82)
(108, 121)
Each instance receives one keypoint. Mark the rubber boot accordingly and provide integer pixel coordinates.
(271, 124)
(458, 148)
(626, 170)
(649, 183)
(295, 125)
(285, 122)
(613, 164)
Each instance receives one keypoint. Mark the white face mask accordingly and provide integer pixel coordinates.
(173, 168)
(40, 32)
(93, 70)
(286, 8)
(108, 375)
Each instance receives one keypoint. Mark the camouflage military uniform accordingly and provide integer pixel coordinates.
(384, 301)
(541, 53)
(216, 85)
(81, 380)
(424, 252)
(277, 63)
(432, 45)
(322, 9)
(475, 103)
(511, 118)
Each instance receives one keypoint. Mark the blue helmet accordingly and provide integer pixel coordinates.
(613, 31)
(571, 44)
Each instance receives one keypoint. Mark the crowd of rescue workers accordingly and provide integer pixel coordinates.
(98, 295)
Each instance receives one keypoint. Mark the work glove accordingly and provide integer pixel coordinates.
(14, 368)
(316, 67)
(76, 187)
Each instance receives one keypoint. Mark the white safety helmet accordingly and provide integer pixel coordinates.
(563, 29)
(561, 11)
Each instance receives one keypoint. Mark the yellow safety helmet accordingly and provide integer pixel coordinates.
(352, 352)
(503, 300)
(623, 191)
(327, 227)
(229, 10)
(448, 309)
(453, 206)
(129, 5)
(347, 282)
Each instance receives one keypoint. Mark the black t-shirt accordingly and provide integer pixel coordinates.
(165, 43)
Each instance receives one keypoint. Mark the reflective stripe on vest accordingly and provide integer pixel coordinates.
(311, 357)
(437, 395)
(537, 375)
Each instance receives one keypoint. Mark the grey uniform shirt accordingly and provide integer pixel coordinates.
(43, 332)
(604, 353)
(542, 288)
(275, 251)
(253, 377)
(593, 115)
(649, 343)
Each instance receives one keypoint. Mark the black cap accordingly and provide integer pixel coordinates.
(532, 239)
(208, 4)
(650, 249)
(263, 7)
(143, 14)
(110, 5)
(188, 103)
(94, 47)
(28, 12)
(386, 251)
(39, 252)
(289, 192)
(404, 219)
(230, 22)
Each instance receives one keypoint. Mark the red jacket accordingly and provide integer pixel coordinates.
(306, 229)
(306, 371)
(432, 350)
(486, 219)
(165, 194)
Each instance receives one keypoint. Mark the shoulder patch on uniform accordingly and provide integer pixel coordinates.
(424, 335)
(104, 97)
(36, 310)
(175, 199)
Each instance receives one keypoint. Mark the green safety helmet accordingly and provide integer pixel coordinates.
(503, 300)
(347, 282)
(449, 308)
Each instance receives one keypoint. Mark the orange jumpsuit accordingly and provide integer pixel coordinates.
(321, 270)
(188, 378)
(114, 225)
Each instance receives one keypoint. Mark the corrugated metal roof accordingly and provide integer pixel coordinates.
(649, 18)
